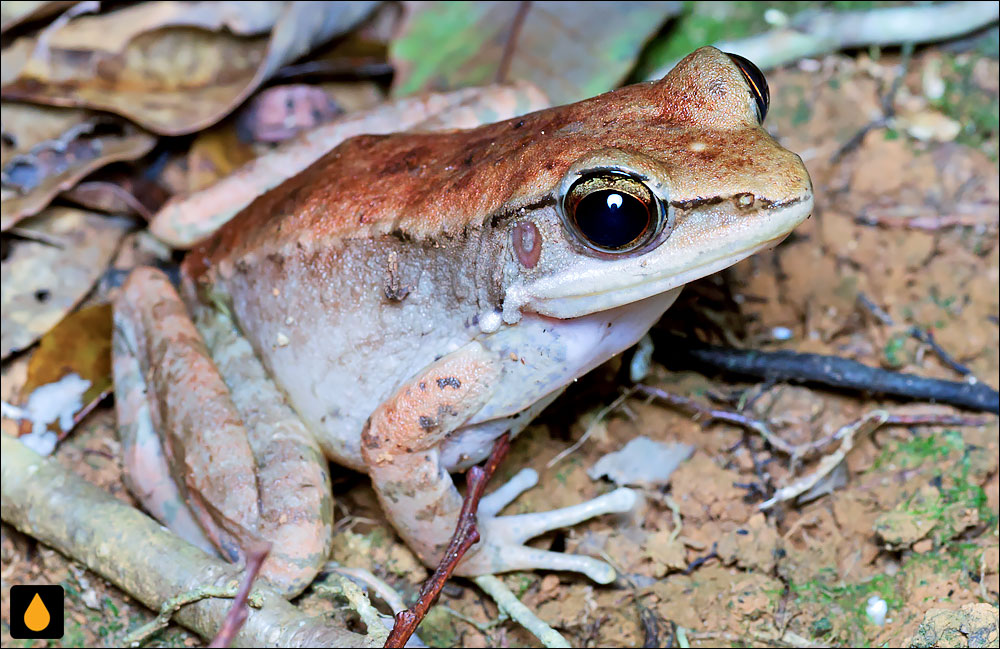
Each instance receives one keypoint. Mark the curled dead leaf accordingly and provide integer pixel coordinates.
(48, 150)
(73, 355)
(13, 14)
(570, 55)
(173, 67)
(41, 282)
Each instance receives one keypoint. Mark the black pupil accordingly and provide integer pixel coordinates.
(611, 219)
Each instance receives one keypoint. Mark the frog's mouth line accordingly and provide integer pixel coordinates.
(563, 300)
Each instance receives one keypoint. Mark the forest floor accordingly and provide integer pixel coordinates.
(906, 220)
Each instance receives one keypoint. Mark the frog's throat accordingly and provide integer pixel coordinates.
(630, 280)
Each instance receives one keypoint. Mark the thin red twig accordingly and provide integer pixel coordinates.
(503, 70)
(238, 612)
(466, 534)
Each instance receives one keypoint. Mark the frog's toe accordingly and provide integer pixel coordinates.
(519, 557)
(506, 534)
(521, 527)
(490, 505)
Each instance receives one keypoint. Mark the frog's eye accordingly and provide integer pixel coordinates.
(756, 81)
(612, 212)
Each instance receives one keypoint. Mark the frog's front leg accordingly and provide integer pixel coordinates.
(400, 446)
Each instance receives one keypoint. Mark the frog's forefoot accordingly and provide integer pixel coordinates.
(503, 546)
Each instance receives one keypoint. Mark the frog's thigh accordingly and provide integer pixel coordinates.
(296, 503)
(159, 353)
(147, 473)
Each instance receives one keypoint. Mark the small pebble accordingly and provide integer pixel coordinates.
(781, 333)
(876, 609)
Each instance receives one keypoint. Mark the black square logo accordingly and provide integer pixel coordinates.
(36, 612)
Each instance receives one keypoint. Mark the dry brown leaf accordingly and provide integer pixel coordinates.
(42, 282)
(13, 14)
(80, 344)
(173, 67)
(47, 150)
(214, 154)
(118, 193)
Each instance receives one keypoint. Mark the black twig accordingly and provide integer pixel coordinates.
(927, 338)
(821, 369)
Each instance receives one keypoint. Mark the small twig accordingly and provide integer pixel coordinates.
(710, 414)
(177, 602)
(888, 109)
(922, 335)
(850, 433)
(359, 603)
(237, 614)
(503, 70)
(697, 563)
(826, 370)
(82, 413)
(517, 611)
(386, 592)
(875, 310)
(482, 627)
(598, 418)
(973, 215)
(652, 627)
(927, 338)
(466, 534)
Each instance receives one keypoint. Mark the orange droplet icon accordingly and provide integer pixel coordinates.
(36, 616)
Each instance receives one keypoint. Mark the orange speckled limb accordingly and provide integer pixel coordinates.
(400, 448)
(167, 382)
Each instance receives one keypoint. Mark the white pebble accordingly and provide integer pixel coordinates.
(877, 609)
(781, 333)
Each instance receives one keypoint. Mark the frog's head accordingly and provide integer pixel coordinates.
(685, 182)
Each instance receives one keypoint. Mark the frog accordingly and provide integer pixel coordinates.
(407, 299)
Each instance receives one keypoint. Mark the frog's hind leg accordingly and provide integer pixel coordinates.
(400, 447)
(204, 457)
(295, 494)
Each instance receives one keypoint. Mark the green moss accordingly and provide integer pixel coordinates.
(950, 465)
(893, 351)
(912, 453)
(437, 629)
(846, 621)
(977, 109)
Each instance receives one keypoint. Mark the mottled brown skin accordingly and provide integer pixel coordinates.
(426, 185)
